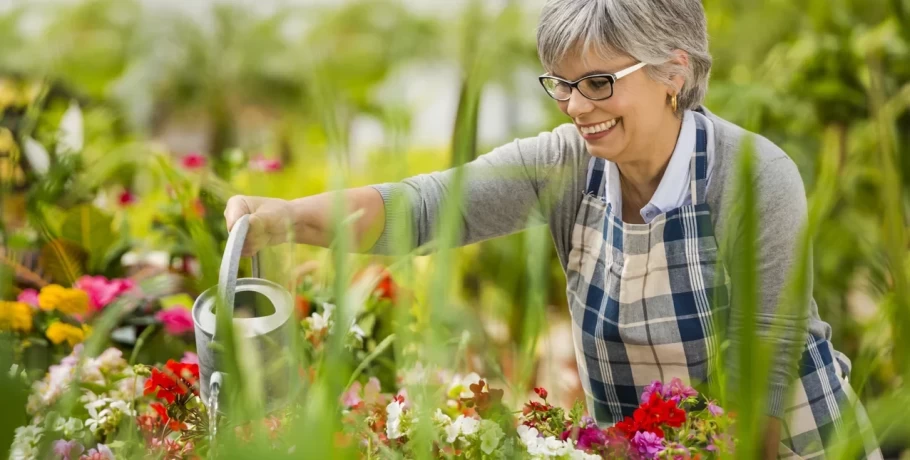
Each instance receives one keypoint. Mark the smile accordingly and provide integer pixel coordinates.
(599, 130)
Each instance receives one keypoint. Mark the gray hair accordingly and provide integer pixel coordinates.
(646, 30)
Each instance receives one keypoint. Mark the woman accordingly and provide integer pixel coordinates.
(638, 190)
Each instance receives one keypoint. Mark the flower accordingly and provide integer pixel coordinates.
(386, 288)
(714, 409)
(655, 387)
(102, 291)
(177, 379)
(25, 442)
(15, 316)
(460, 387)
(126, 198)
(677, 391)
(261, 163)
(648, 444)
(174, 425)
(189, 358)
(65, 300)
(393, 419)
(193, 161)
(177, 320)
(651, 416)
(28, 296)
(541, 392)
(490, 435)
(587, 438)
(68, 449)
(100, 452)
(462, 426)
(351, 397)
(59, 332)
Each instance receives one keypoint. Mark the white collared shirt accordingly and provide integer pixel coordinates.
(673, 190)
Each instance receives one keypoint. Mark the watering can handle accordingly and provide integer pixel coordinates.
(230, 264)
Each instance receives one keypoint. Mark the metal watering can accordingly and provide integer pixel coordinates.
(269, 335)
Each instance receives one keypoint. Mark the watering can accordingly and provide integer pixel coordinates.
(270, 335)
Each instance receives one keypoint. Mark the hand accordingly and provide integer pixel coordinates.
(271, 221)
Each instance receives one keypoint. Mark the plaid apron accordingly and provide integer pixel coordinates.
(643, 298)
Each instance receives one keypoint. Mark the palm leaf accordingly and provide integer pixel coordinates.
(63, 260)
(22, 272)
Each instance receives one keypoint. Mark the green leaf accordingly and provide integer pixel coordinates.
(63, 260)
(176, 301)
(91, 229)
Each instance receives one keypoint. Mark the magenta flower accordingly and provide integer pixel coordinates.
(126, 198)
(29, 296)
(647, 444)
(101, 291)
(714, 409)
(177, 320)
(655, 387)
(677, 391)
(588, 437)
(193, 161)
(261, 163)
(68, 450)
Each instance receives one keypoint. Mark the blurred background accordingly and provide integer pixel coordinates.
(128, 119)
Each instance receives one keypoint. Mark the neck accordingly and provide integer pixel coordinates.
(641, 176)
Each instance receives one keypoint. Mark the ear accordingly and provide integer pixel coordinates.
(681, 61)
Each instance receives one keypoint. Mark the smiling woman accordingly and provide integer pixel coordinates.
(640, 196)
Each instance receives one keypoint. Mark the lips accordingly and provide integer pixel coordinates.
(598, 128)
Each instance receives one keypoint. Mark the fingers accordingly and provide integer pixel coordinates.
(235, 208)
(256, 237)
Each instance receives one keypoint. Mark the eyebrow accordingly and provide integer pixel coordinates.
(587, 74)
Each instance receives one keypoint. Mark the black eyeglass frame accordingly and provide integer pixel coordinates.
(613, 77)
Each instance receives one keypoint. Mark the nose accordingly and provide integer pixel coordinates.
(577, 104)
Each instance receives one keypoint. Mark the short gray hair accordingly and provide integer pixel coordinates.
(646, 30)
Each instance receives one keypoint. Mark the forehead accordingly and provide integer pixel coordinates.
(581, 60)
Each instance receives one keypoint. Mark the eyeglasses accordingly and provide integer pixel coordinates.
(594, 87)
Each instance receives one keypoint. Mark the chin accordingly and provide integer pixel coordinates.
(600, 151)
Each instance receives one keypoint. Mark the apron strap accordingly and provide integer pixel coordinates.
(699, 165)
(596, 167)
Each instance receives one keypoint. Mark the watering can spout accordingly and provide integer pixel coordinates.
(268, 335)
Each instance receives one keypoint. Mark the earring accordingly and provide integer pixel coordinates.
(674, 103)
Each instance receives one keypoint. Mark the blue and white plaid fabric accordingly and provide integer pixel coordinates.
(643, 299)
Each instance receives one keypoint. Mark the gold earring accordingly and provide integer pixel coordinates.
(674, 103)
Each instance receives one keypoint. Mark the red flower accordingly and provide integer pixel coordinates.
(177, 379)
(652, 416)
(541, 392)
(303, 307)
(386, 288)
(174, 425)
(126, 198)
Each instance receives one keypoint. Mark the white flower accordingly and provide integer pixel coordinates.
(25, 442)
(130, 387)
(357, 331)
(490, 435)
(123, 407)
(463, 384)
(540, 447)
(393, 422)
(319, 322)
(97, 418)
(441, 418)
(462, 426)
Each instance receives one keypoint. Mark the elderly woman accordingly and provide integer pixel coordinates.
(638, 189)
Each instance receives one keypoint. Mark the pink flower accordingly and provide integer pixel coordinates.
(261, 163)
(190, 358)
(102, 291)
(678, 391)
(351, 397)
(100, 452)
(371, 391)
(177, 320)
(193, 161)
(29, 296)
(68, 449)
(655, 387)
(714, 409)
(648, 444)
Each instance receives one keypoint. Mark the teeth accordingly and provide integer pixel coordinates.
(600, 127)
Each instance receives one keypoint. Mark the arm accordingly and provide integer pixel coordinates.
(500, 191)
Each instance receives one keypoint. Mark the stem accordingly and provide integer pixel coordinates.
(141, 341)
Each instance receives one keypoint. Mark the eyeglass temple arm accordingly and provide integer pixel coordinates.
(623, 73)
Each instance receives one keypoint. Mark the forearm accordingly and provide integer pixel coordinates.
(314, 220)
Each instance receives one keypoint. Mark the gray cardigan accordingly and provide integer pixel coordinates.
(544, 176)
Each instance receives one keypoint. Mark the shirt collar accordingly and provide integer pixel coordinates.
(672, 192)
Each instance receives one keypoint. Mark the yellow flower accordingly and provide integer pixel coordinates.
(15, 316)
(61, 332)
(64, 300)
